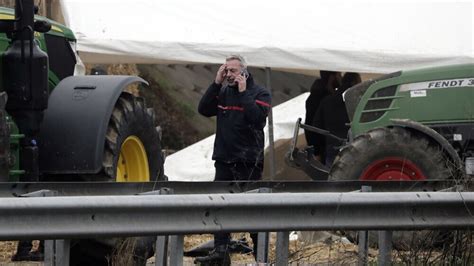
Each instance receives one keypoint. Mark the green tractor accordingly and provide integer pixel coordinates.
(58, 126)
(408, 125)
(55, 126)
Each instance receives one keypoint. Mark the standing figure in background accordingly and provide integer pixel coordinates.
(241, 107)
(322, 87)
(332, 116)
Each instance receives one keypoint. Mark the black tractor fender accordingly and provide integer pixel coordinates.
(430, 134)
(73, 130)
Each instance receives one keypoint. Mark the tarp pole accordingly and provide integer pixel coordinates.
(268, 73)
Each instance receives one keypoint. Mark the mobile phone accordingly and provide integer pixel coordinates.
(244, 73)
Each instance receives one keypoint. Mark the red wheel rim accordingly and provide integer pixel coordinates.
(392, 168)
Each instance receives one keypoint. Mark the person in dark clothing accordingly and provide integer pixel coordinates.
(241, 107)
(332, 116)
(321, 88)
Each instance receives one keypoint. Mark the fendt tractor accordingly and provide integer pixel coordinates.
(57, 126)
(408, 125)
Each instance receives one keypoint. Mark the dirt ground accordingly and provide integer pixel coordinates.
(7, 249)
(334, 250)
(335, 253)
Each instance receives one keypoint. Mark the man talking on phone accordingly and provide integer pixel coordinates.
(241, 107)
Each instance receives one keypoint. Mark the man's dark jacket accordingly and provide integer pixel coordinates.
(318, 92)
(332, 116)
(241, 118)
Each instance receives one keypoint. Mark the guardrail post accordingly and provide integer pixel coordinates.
(176, 250)
(263, 238)
(62, 252)
(161, 254)
(161, 249)
(364, 238)
(385, 248)
(56, 252)
(282, 244)
(49, 253)
(262, 247)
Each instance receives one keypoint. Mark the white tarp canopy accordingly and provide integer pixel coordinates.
(361, 36)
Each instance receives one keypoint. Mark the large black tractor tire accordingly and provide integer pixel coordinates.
(133, 251)
(132, 123)
(393, 154)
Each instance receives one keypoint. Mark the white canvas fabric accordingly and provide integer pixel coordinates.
(299, 35)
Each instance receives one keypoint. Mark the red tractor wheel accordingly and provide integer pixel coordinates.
(392, 168)
(385, 154)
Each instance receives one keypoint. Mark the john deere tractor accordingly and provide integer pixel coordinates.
(57, 126)
(408, 125)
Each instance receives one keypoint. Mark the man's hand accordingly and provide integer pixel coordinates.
(242, 81)
(220, 74)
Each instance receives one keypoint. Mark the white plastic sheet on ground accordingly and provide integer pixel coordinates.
(194, 163)
(362, 36)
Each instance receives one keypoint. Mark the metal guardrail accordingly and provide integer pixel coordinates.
(85, 214)
(101, 216)
(15, 189)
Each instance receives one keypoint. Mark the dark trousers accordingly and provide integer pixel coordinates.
(239, 171)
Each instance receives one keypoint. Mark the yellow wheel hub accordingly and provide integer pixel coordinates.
(132, 165)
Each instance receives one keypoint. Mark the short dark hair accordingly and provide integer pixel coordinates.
(350, 79)
(326, 74)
